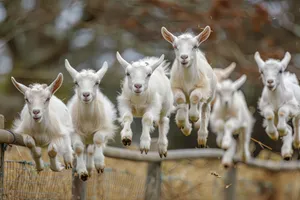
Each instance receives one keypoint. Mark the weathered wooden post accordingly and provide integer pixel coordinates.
(153, 182)
(2, 161)
(78, 186)
(230, 184)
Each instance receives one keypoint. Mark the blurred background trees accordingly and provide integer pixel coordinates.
(36, 37)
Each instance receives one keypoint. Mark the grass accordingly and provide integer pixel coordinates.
(182, 180)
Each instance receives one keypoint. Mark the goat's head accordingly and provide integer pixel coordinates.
(227, 88)
(186, 45)
(223, 74)
(86, 82)
(138, 73)
(37, 96)
(271, 70)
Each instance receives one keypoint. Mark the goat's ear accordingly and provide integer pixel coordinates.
(285, 61)
(70, 69)
(101, 72)
(157, 63)
(22, 88)
(122, 61)
(168, 36)
(203, 35)
(238, 83)
(55, 85)
(228, 70)
(259, 61)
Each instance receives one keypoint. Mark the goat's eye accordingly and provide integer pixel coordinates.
(76, 83)
(26, 100)
(261, 72)
(127, 74)
(195, 47)
(148, 75)
(97, 83)
(48, 99)
(280, 71)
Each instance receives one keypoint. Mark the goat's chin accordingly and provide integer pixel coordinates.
(137, 92)
(86, 101)
(37, 119)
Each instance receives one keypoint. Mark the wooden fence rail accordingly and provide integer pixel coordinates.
(78, 191)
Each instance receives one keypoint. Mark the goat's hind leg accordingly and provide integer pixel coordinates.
(36, 152)
(163, 130)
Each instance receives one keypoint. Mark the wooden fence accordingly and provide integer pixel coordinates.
(154, 167)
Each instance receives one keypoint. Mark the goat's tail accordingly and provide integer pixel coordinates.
(291, 77)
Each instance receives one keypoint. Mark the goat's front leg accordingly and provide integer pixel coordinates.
(36, 152)
(90, 159)
(245, 136)
(68, 152)
(219, 128)
(227, 159)
(100, 141)
(230, 126)
(163, 130)
(283, 114)
(182, 120)
(80, 161)
(145, 140)
(203, 132)
(55, 165)
(195, 98)
(126, 118)
(286, 149)
(296, 139)
(270, 126)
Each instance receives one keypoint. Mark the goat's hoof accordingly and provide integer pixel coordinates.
(226, 166)
(288, 158)
(186, 131)
(163, 154)
(126, 141)
(144, 150)
(100, 170)
(84, 176)
(201, 146)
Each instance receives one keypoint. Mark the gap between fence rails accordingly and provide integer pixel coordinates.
(133, 155)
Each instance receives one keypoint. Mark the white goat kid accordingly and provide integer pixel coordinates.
(193, 81)
(279, 101)
(223, 74)
(146, 93)
(93, 117)
(230, 116)
(45, 122)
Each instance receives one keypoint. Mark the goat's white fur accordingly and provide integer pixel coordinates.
(230, 115)
(193, 82)
(50, 127)
(279, 101)
(93, 119)
(152, 101)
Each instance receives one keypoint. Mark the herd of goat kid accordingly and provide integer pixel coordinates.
(87, 122)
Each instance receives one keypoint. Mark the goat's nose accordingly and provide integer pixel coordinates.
(86, 94)
(270, 81)
(184, 57)
(138, 86)
(36, 111)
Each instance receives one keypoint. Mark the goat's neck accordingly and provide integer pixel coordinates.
(87, 109)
